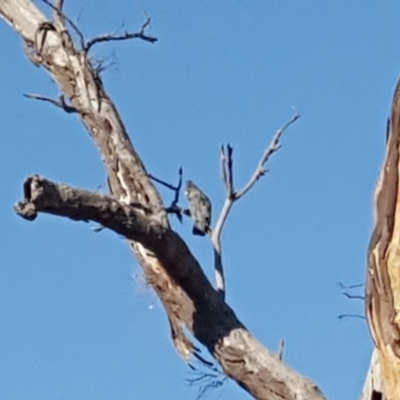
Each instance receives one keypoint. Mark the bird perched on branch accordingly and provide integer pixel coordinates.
(199, 208)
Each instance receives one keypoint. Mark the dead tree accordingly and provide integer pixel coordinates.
(135, 210)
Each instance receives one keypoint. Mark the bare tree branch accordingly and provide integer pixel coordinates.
(174, 207)
(207, 379)
(212, 314)
(226, 162)
(342, 316)
(271, 149)
(60, 102)
(126, 36)
(44, 196)
(352, 296)
(349, 287)
(175, 189)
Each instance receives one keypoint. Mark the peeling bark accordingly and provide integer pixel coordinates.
(382, 297)
(136, 211)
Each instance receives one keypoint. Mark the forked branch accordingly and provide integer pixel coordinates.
(174, 207)
(59, 19)
(226, 162)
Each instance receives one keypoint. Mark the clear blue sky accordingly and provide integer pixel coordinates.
(76, 319)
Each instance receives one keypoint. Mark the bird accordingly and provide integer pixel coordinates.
(199, 208)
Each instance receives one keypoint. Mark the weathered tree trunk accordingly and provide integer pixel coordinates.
(382, 289)
(136, 210)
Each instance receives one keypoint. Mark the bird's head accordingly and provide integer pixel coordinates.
(189, 186)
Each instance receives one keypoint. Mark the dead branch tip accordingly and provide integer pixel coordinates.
(125, 36)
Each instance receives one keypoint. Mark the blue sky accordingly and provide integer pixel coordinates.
(77, 319)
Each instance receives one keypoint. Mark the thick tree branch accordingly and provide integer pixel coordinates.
(214, 323)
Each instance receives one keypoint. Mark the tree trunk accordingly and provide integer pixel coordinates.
(382, 288)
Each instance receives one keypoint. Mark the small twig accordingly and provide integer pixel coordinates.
(345, 289)
(271, 149)
(342, 316)
(209, 378)
(226, 160)
(352, 296)
(209, 364)
(126, 36)
(349, 287)
(102, 64)
(173, 208)
(166, 184)
(281, 349)
(60, 102)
